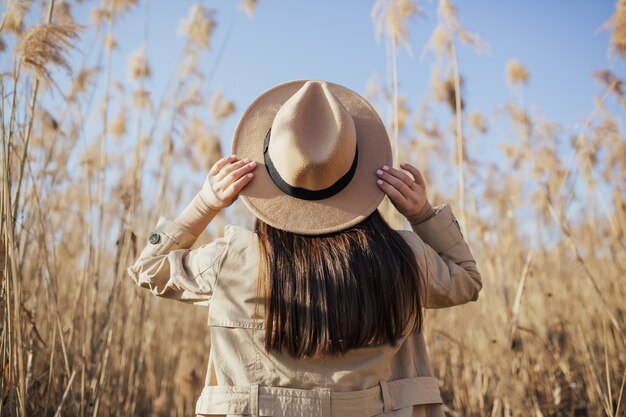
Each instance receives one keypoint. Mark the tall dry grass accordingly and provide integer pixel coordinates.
(547, 225)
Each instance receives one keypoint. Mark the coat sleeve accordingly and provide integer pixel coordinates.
(447, 265)
(169, 268)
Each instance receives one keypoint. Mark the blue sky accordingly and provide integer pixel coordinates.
(559, 42)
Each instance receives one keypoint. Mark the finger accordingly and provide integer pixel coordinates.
(221, 163)
(415, 172)
(233, 189)
(399, 175)
(398, 184)
(396, 196)
(236, 174)
(228, 168)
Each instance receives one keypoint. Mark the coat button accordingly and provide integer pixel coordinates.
(155, 238)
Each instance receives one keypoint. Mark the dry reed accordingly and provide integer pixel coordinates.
(77, 338)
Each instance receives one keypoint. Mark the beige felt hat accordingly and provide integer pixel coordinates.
(318, 146)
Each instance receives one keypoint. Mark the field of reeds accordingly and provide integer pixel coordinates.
(77, 338)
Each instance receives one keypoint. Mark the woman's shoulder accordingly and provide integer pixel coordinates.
(240, 252)
(411, 238)
(235, 231)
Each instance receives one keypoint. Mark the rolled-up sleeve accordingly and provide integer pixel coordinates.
(446, 262)
(169, 268)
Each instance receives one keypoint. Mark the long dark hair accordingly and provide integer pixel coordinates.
(326, 294)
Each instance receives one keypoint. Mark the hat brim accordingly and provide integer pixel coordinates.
(347, 208)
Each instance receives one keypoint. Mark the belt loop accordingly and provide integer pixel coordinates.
(254, 400)
(325, 394)
(387, 403)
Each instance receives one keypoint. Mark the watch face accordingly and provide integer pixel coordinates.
(155, 238)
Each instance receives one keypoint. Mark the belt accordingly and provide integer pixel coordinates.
(256, 400)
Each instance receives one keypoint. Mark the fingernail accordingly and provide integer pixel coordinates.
(253, 164)
(379, 172)
(379, 182)
(245, 161)
(233, 156)
(250, 175)
(402, 164)
(385, 167)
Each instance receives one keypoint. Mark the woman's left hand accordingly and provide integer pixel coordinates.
(408, 195)
(225, 180)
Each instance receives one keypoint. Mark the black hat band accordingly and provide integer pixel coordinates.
(303, 193)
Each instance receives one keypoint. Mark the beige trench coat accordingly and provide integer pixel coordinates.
(243, 379)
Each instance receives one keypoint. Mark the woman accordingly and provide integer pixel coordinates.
(318, 312)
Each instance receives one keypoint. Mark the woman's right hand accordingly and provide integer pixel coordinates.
(408, 195)
(225, 180)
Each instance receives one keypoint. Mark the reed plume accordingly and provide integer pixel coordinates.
(13, 17)
(249, 6)
(45, 46)
(617, 25)
(87, 170)
(199, 25)
(516, 73)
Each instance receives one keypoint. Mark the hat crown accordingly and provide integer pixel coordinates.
(313, 138)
